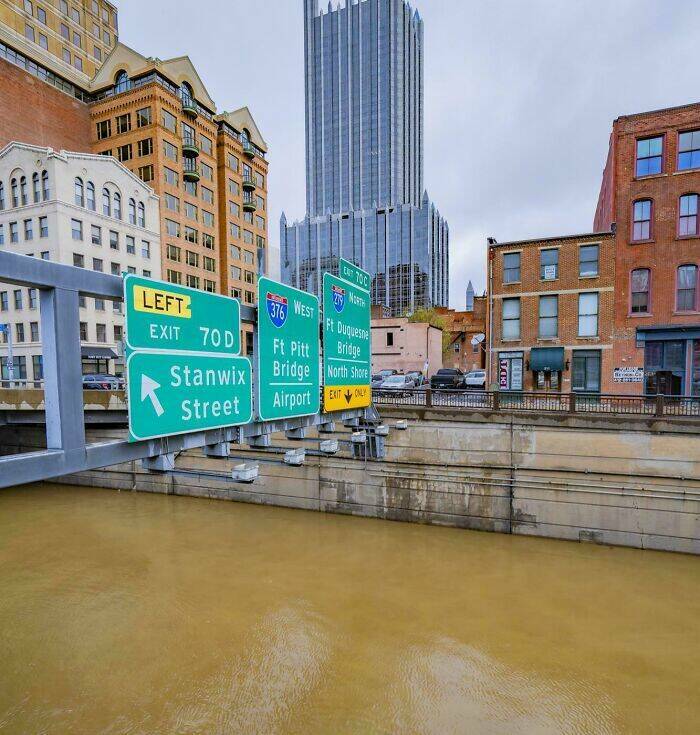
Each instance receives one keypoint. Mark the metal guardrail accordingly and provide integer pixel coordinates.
(656, 406)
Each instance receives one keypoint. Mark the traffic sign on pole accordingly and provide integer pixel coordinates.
(347, 347)
(165, 317)
(181, 393)
(288, 382)
(350, 272)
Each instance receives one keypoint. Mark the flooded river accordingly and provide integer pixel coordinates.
(130, 613)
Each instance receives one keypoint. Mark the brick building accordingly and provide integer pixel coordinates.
(464, 327)
(155, 117)
(551, 312)
(649, 193)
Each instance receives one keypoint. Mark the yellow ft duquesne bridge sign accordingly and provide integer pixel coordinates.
(347, 351)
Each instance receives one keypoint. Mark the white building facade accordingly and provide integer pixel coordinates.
(76, 209)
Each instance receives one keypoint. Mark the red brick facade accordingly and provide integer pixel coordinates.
(35, 112)
(571, 351)
(672, 363)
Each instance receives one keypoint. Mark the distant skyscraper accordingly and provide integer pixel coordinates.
(364, 157)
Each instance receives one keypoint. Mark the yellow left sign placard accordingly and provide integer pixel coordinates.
(158, 301)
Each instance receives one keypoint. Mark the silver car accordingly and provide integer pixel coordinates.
(475, 380)
(399, 384)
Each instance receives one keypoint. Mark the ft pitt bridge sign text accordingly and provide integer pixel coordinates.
(185, 373)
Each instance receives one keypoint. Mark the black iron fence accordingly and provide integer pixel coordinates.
(572, 403)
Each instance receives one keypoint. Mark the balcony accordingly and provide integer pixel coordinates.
(189, 106)
(249, 204)
(248, 149)
(249, 182)
(190, 149)
(190, 171)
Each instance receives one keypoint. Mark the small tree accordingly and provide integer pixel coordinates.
(430, 316)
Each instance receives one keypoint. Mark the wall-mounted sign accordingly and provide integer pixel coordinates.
(628, 375)
(550, 272)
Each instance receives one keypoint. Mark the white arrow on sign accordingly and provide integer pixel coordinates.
(148, 390)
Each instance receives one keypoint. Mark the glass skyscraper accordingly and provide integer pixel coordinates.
(364, 158)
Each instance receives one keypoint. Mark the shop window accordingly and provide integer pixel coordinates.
(586, 371)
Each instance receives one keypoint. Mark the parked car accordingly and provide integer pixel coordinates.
(447, 379)
(387, 373)
(418, 377)
(475, 380)
(400, 384)
(102, 381)
(377, 381)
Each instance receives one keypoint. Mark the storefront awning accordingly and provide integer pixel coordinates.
(649, 334)
(547, 359)
(98, 353)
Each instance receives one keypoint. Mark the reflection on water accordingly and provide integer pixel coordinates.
(127, 613)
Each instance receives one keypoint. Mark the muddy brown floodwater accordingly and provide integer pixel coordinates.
(131, 613)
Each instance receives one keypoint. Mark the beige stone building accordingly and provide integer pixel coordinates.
(398, 344)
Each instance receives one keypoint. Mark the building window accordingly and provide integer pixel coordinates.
(172, 203)
(146, 147)
(588, 257)
(172, 228)
(95, 235)
(4, 305)
(101, 332)
(686, 298)
(131, 209)
(90, 195)
(99, 304)
(123, 123)
(124, 152)
(29, 33)
(511, 268)
(192, 281)
(688, 215)
(104, 129)
(14, 188)
(38, 367)
(174, 277)
(208, 241)
(588, 314)
(207, 195)
(130, 245)
(511, 319)
(209, 264)
(169, 121)
(97, 53)
(117, 205)
(66, 56)
(76, 229)
(43, 226)
(106, 203)
(78, 63)
(232, 161)
(549, 264)
(97, 265)
(113, 240)
(549, 317)
(33, 298)
(19, 332)
(641, 225)
(83, 332)
(640, 287)
(141, 215)
(192, 259)
(649, 155)
(205, 143)
(389, 339)
(28, 229)
(174, 253)
(79, 192)
(78, 260)
(2, 195)
(23, 191)
(191, 211)
(207, 218)
(146, 173)
(2, 234)
(145, 249)
(586, 371)
(689, 150)
(143, 117)
(170, 151)
(45, 185)
(207, 171)
(14, 232)
(121, 81)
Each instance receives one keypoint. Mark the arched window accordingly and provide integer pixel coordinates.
(79, 192)
(688, 215)
(90, 188)
(132, 212)
(117, 205)
(15, 193)
(106, 202)
(35, 187)
(640, 288)
(641, 220)
(687, 289)
(121, 82)
(186, 92)
(23, 191)
(142, 215)
(46, 190)
(2, 195)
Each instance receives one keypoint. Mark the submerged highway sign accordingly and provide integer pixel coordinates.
(350, 272)
(163, 316)
(181, 393)
(288, 352)
(346, 345)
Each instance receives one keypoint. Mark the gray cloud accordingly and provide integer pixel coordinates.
(520, 98)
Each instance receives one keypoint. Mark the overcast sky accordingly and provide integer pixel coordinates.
(520, 97)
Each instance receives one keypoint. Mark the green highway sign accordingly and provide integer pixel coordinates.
(347, 349)
(288, 352)
(163, 316)
(181, 393)
(350, 272)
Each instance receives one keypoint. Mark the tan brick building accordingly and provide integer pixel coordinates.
(157, 118)
(550, 322)
(649, 194)
(464, 328)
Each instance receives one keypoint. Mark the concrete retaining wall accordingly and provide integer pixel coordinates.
(597, 480)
